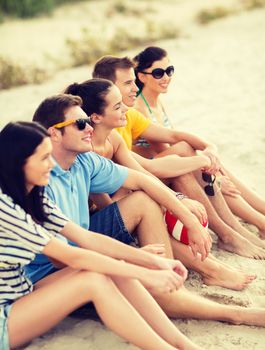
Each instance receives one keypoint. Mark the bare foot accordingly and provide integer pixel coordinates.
(250, 236)
(228, 278)
(226, 265)
(250, 316)
(241, 246)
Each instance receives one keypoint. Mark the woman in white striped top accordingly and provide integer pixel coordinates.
(114, 281)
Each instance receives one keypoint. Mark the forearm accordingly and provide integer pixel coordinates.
(101, 263)
(137, 165)
(107, 246)
(172, 165)
(83, 259)
(162, 195)
(197, 143)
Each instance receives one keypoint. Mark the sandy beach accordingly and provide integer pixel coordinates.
(218, 92)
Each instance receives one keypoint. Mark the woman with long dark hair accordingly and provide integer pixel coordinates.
(154, 72)
(29, 222)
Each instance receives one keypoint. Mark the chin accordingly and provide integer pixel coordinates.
(44, 183)
(130, 104)
(122, 123)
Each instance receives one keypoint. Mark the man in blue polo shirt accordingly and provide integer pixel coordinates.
(79, 172)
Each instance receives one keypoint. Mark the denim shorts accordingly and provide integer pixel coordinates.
(108, 221)
(4, 313)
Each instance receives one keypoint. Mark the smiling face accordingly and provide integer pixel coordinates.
(157, 85)
(125, 81)
(39, 165)
(72, 139)
(114, 112)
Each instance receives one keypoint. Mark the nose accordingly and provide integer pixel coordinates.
(89, 128)
(134, 87)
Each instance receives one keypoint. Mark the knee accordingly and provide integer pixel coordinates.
(93, 283)
(142, 202)
(185, 149)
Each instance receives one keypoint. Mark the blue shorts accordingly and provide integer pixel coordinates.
(4, 313)
(107, 221)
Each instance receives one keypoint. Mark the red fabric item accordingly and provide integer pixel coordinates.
(176, 229)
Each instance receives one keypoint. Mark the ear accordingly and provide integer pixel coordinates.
(55, 134)
(96, 118)
(142, 77)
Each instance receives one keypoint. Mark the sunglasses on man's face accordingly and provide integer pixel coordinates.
(80, 123)
(158, 73)
(209, 189)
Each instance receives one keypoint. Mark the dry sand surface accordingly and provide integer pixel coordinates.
(218, 92)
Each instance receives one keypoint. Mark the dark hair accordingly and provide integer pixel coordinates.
(93, 93)
(52, 110)
(145, 59)
(107, 66)
(18, 141)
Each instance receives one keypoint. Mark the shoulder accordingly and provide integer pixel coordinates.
(9, 207)
(134, 113)
(137, 118)
(89, 161)
(115, 138)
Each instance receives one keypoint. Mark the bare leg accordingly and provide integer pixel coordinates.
(184, 304)
(40, 310)
(252, 198)
(211, 269)
(227, 216)
(155, 232)
(141, 213)
(243, 210)
(230, 238)
(138, 296)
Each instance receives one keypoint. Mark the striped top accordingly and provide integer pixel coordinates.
(21, 238)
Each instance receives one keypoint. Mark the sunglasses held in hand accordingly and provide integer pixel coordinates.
(80, 123)
(158, 73)
(209, 189)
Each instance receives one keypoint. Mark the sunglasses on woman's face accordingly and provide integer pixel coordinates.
(80, 123)
(158, 73)
(208, 189)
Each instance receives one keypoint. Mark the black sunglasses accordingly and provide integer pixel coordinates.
(80, 123)
(209, 189)
(158, 73)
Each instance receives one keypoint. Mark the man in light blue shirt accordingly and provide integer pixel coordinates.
(79, 172)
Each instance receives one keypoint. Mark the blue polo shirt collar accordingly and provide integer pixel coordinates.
(58, 171)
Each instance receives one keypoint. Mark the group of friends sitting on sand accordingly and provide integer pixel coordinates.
(100, 194)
